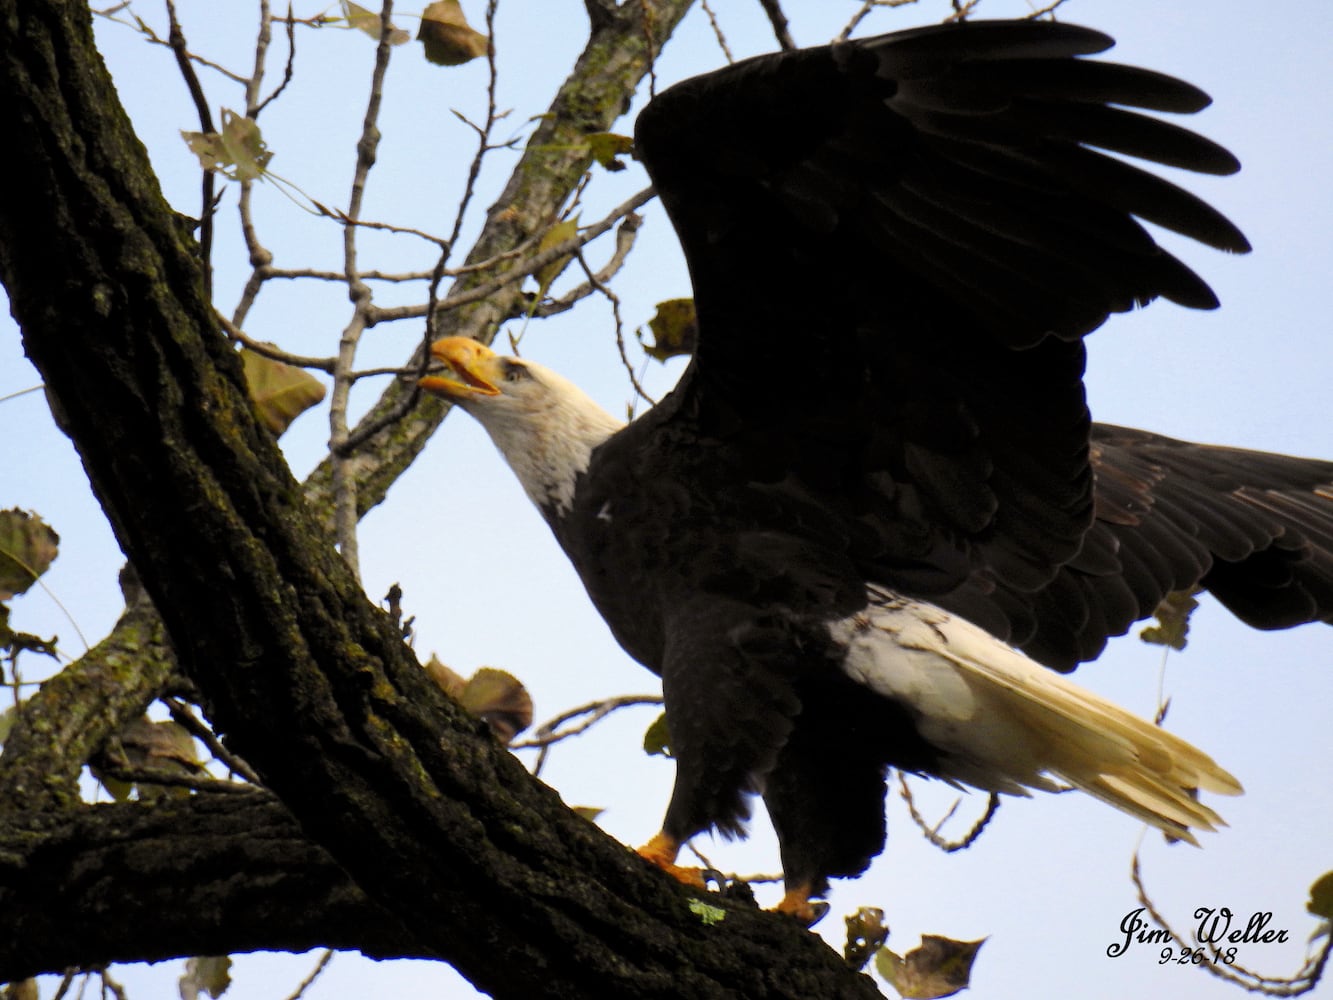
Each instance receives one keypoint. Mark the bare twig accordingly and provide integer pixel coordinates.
(614, 299)
(932, 832)
(484, 132)
(345, 515)
(550, 732)
(288, 69)
(269, 351)
(717, 31)
(180, 50)
(529, 265)
(1043, 11)
(170, 779)
(625, 235)
(962, 9)
(781, 30)
(181, 714)
(315, 973)
(866, 7)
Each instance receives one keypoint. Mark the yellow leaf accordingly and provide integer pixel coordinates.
(281, 392)
(447, 37)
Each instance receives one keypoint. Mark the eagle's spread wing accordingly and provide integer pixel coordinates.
(897, 246)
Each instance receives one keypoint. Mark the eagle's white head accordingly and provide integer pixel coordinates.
(545, 426)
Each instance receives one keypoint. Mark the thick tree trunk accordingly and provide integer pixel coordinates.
(408, 795)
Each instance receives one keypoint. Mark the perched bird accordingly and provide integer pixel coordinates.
(874, 522)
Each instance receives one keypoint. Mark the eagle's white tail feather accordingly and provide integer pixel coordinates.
(1002, 722)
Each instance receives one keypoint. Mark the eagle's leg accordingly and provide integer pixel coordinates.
(796, 903)
(661, 851)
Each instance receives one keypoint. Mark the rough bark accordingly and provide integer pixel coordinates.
(308, 681)
(210, 874)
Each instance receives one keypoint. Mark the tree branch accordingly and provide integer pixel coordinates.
(202, 875)
(310, 682)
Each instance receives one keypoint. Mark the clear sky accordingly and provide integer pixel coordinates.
(1049, 880)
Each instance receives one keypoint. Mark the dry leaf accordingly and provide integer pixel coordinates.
(939, 967)
(237, 152)
(447, 37)
(281, 392)
(370, 22)
(28, 546)
(675, 329)
(554, 236)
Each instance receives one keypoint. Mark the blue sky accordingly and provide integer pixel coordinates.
(1049, 880)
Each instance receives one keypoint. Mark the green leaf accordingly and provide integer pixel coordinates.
(446, 37)
(590, 813)
(1321, 897)
(28, 546)
(210, 975)
(1173, 620)
(710, 915)
(939, 967)
(237, 152)
(608, 147)
(657, 738)
(281, 392)
(675, 329)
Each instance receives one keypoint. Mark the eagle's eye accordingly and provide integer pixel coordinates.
(515, 371)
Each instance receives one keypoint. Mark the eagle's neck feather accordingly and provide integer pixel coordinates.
(548, 438)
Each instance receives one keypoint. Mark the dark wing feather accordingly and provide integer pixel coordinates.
(1254, 529)
(897, 246)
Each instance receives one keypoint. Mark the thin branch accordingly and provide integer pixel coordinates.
(176, 40)
(625, 235)
(717, 31)
(345, 515)
(275, 353)
(170, 779)
(288, 70)
(180, 712)
(484, 132)
(153, 38)
(781, 29)
(315, 973)
(932, 832)
(550, 733)
(614, 299)
(1043, 11)
(529, 265)
(866, 7)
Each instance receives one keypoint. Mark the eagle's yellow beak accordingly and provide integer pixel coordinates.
(471, 369)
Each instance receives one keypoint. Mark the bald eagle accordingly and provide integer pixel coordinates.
(874, 524)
